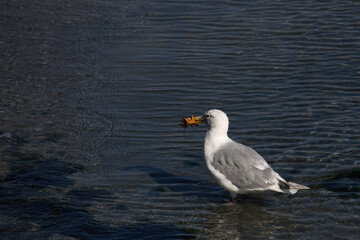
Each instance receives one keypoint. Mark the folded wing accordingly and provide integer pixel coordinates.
(246, 169)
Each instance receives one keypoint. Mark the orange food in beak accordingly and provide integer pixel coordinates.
(193, 121)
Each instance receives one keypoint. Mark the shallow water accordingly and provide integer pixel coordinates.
(92, 92)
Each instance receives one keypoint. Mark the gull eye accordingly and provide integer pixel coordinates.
(207, 116)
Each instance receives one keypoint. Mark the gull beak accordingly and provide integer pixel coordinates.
(198, 119)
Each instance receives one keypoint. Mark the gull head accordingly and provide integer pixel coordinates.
(216, 120)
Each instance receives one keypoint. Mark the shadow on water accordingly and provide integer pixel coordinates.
(188, 187)
(37, 201)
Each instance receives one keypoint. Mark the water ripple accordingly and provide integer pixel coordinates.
(92, 93)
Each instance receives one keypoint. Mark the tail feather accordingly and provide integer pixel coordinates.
(290, 187)
(297, 186)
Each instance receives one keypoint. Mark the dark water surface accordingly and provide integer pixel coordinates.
(92, 91)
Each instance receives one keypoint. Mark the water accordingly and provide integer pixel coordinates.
(92, 92)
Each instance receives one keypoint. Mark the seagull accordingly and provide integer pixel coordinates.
(238, 168)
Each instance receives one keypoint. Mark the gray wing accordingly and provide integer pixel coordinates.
(244, 167)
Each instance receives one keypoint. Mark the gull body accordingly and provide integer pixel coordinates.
(238, 168)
